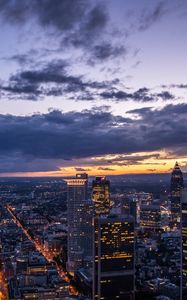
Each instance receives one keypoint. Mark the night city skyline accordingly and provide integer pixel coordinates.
(93, 150)
(92, 86)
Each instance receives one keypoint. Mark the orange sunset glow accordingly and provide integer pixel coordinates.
(102, 166)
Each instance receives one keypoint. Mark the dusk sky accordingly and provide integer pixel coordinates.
(95, 86)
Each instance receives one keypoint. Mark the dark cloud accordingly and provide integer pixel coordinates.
(58, 136)
(16, 162)
(115, 95)
(60, 14)
(141, 95)
(151, 170)
(77, 23)
(79, 169)
(31, 90)
(97, 18)
(151, 16)
(106, 50)
(90, 28)
(140, 111)
(15, 11)
(51, 80)
(21, 59)
(172, 110)
(127, 160)
(179, 86)
(165, 95)
(105, 169)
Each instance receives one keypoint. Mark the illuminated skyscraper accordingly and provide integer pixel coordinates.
(101, 195)
(184, 243)
(113, 258)
(175, 189)
(79, 245)
(150, 216)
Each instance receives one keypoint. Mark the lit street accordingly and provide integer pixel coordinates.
(39, 247)
(3, 287)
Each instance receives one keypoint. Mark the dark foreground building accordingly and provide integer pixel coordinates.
(113, 258)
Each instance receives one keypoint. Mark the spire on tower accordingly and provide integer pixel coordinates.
(176, 166)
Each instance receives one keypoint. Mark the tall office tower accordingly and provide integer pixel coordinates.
(113, 265)
(101, 195)
(87, 234)
(175, 189)
(125, 205)
(184, 243)
(164, 199)
(133, 210)
(150, 216)
(78, 222)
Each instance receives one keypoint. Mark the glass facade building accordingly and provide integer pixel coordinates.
(175, 190)
(79, 222)
(184, 243)
(101, 195)
(113, 258)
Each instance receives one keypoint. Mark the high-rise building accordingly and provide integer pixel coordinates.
(79, 222)
(175, 190)
(133, 210)
(184, 243)
(101, 195)
(164, 199)
(87, 234)
(113, 265)
(150, 216)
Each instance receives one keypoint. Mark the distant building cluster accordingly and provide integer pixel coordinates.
(83, 238)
